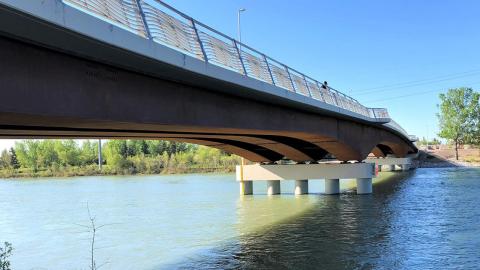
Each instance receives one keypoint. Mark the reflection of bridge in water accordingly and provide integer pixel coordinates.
(141, 69)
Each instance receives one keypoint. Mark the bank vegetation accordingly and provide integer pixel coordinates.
(64, 158)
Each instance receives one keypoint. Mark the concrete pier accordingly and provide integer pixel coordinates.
(387, 168)
(301, 187)
(364, 185)
(390, 164)
(332, 186)
(246, 187)
(272, 174)
(273, 187)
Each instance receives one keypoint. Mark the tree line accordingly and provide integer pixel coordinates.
(69, 158)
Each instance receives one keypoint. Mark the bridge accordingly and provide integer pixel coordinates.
(142, 69)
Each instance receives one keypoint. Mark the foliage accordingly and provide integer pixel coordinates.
(5, 253)
(460, 117)
(43, 158)
(424, 141)
(13, 159)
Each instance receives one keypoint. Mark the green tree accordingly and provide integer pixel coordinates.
(5, 253)
(68, 152)
(88, 153)
(5, 160)
(27, 153)
(13, 159)
(116, 152)
(459, 116)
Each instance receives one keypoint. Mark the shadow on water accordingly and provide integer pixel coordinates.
(335, 232)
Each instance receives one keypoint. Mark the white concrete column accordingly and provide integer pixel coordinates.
(332, 186)
(388, 168)
(246, 187)
(364, 185)
(301, 187)
(405, 167)
(273, 187)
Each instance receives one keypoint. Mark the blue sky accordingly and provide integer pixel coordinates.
(360, 47)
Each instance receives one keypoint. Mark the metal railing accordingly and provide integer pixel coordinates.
(161, 23)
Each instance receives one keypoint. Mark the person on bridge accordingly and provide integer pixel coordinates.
(325, 85)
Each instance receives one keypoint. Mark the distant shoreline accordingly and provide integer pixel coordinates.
(71, 172)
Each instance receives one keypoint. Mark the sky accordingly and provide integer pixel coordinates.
(397, 54)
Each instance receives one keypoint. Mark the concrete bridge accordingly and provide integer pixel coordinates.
(142, 69)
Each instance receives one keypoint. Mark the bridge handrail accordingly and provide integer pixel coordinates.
(162, 23)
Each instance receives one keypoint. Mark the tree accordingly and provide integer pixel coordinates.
(460, 116)
(5, 253)
(5, 160)
(13, 159)
(28, 152)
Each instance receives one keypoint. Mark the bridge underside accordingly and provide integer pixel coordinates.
(47, 94)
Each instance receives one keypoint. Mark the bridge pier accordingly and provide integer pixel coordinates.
(387, 168)
(332, 186)
(364, 185)
(301, 187)
(246, 187)
(273, 187)
(391, 164)
(332, 172)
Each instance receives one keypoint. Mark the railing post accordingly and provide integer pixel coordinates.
(290, 77)
(144, 20)
(335, 97)
(205, 57)
(308, 87)
(268, 68)
(240, 57)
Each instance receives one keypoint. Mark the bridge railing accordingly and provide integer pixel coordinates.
(161, 23)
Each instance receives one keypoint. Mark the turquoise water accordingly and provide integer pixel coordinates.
(426, 219)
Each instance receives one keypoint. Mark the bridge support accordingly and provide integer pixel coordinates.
(391, 164)
(364, 185)
(387, 168)
(332, 186)
(332, 172)
(273, 187)
(301, 187)
(246, 187)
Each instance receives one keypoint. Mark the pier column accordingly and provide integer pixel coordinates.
(273, 187)
(405, 167)
(332, 186)
(246, 187)
(301, 187)
(388, 168)
(364, 185)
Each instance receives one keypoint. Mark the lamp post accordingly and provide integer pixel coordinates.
(240, 24)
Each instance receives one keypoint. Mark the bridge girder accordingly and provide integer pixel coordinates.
(49, 94)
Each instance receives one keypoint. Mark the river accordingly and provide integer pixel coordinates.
(424, 219)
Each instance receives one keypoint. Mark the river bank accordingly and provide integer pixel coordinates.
(445, 158)
(94, 170)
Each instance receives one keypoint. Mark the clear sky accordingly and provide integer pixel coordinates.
(360, 47)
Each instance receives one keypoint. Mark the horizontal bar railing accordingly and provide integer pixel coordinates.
(162, 23)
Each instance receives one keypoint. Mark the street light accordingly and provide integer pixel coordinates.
(239, 24)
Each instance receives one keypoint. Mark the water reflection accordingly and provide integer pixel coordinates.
(407, 223)
(304, 232)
